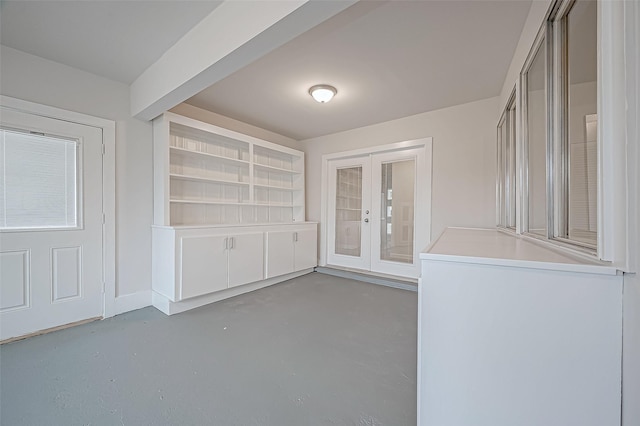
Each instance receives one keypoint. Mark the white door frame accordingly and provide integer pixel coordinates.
(108, 128)
(425, 143)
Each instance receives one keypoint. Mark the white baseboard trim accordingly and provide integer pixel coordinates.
(165, 305)
(133, 301)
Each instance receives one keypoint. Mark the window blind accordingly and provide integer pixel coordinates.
(38, 181)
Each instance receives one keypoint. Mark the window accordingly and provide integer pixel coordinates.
(38, 183)
(535, 103)
(559, 102)
(578, 207)
(507, 165)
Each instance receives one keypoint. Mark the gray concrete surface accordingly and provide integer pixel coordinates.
(315, 350)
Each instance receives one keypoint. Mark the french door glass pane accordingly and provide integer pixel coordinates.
(582, 27)
(537, 144)
(397, 210)
(348, 211)
(38, 183)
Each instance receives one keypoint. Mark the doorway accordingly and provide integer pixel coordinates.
(377, 207)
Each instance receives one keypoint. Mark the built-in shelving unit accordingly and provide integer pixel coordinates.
(228, 214)
(206, 175)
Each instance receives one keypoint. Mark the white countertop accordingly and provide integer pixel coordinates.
(493, 247)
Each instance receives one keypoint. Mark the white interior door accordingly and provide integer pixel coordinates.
(378, 211)
(348, 235)
(51, 223)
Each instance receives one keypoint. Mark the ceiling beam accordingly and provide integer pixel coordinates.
(232, 36)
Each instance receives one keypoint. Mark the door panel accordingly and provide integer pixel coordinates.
(246, 259)
(204, 265)
(348, 235)
(51, 270)
(395, 178)
(280, 253)
(306, 248)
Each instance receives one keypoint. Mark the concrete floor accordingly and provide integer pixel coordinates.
(316, 350)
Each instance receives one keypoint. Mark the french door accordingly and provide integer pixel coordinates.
(373, 203)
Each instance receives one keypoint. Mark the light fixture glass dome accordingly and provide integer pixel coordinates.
(323, 93)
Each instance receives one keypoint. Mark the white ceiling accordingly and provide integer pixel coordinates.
(388, 59)
(115, 39)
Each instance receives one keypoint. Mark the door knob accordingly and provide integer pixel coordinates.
(366, 212)
(366, 220)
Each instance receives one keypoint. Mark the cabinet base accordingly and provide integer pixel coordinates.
(168, 307)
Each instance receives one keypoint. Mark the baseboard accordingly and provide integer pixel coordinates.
(399, 282)
(168, 307)
(133, 301)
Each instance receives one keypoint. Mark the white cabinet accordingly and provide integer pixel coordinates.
(214, 263)
(305, 249)
(193, 262)
(203, 265)
(511, 332)
(246, 258)
(291, 251)
(280, 253)
(192, 266)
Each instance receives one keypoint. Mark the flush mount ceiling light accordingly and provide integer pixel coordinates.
(322, 93)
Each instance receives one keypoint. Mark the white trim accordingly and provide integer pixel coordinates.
(163, 304)
(611, 134)
(108, 182)
(415, 143)
(133, 301)
(632, 88)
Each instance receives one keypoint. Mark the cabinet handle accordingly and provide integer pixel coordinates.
(295, 236)
(226, 243)
(231, 243)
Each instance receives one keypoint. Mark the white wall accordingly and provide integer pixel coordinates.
(464, 160)
(631, 308)
(45, 82)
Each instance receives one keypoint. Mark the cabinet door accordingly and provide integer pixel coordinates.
(246, 258)
(279, 253)
(306, 249)
(204, 265)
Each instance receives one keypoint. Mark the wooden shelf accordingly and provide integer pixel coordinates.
(207, 155)
(276, 169)
(226, 203)
(223, 203)
(282, 188)
(204, 179)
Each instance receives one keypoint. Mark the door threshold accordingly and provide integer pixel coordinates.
(49, 330)
(403, 283)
